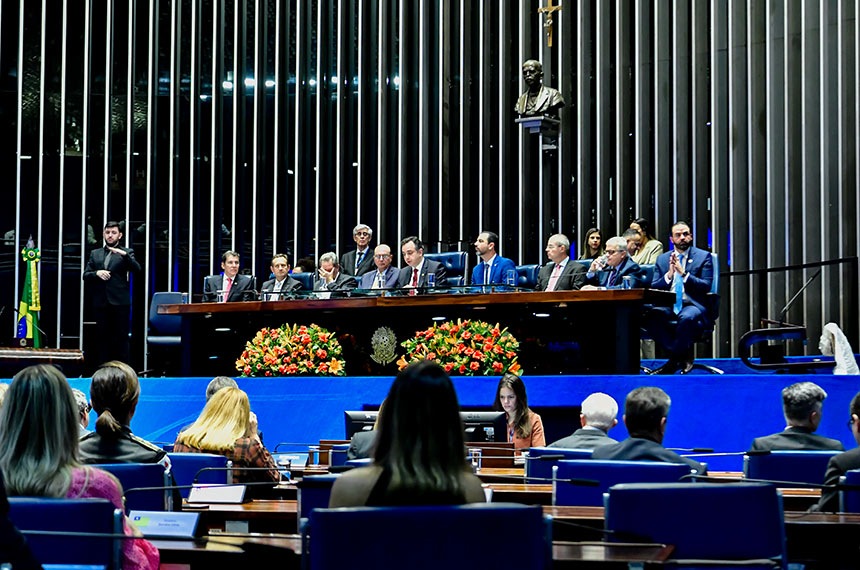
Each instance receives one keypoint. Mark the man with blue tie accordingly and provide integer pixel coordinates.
(493, 268)
(360, 260)
(689, 272)
(610, 270)
(385, 276)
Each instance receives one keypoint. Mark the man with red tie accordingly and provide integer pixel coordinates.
(562, 273)
(234, 286)
(417, 268)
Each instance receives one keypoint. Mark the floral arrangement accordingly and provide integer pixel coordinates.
(470, 348)
(292, 349)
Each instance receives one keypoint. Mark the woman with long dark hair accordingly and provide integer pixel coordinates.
(649, 248)
(524, 426)
(592, 245)
(419, 457)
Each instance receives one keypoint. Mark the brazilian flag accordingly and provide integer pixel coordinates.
(29, 307)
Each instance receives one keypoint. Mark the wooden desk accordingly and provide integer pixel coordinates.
(261, 516)
(12, 360)
(214, 334)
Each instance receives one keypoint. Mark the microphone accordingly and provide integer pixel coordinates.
(726, 453)
(275, 449)
(235, 468)
(771, 482)
(692, 450)
(573, 481)
(621, 535)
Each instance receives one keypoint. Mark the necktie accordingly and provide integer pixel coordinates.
(553, 280)
(107, 258)
(678, 287)
(415, 277)
(380, 283)
(228, 283)
(486, 274)
(359, 257)
(611, 281)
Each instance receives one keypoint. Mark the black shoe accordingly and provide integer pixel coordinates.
(687, 361)
(670, 367)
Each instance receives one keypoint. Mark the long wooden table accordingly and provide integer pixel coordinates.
(549, 326)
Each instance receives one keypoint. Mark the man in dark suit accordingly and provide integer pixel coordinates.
(689, 272)
(801, 404)
(493, 268)
(610, 270)
(106, 275)
(235, 287)
(645, 412)
(360, 260)
(417, 268)
(562, 273)
(385, 275)
(839, 464)
(282, 284)
(330, 277)
(597, 417)
(361, 445)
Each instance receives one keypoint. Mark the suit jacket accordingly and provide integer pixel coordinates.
(836, 468)
(795, 438)
(391, 275)
(342, 282)
(572, 278)
(115, 290)
(347, 263)
(627, 267)
(241, 290)
(129, 448)
(698, 284)
(641, 449)
(584, 439)
(289, 285)
(498, 272)
(429, 266)
(361, 445)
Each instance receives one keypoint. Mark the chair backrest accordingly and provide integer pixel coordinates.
(314, 492)
(541, 460)
(337, 455)
(607, 473)
(140, 475)
(849, 500)
(731, 521)
(647, 275)
(186, 469)
(306, 278)
(455, 265)
(715, 283)
(428, 538)
(799, 467)
(165, 325)
(527, 275)
(69, 515)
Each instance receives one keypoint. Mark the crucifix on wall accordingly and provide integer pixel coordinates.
(548, 11)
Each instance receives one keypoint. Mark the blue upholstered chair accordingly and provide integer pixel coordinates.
(337, 455)
(704, 521)
(541, 460)
(800, 467)
(187, 469)
(314, 492)
(456, 266)
(607, 473)
(527, 275)
(428, 538)
(31, 514)
(141, 475)
(849, 499)
(163, 335)
(306, 278)
(647, 275)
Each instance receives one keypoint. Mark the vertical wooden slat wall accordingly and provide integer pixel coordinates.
(262, 125)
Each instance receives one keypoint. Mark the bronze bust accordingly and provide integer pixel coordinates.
(537, 99)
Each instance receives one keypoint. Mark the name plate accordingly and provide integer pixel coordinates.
(154, 524)
(230, 494)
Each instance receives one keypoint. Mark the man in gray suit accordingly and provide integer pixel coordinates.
(385, 275)
(360, 260)
(282, 284)
(597, 416)
(562, 273)
(330, 277)
(417, 268)
(801, 404)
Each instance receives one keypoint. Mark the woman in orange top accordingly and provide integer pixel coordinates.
(524, 426)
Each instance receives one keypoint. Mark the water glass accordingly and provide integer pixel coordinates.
(511, 277)
(431, 280)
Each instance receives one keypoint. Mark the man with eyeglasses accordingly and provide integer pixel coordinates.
(609, 270)
(688, 272)
(801, 405)
(385, 276)
(839, 464)
(360, 260)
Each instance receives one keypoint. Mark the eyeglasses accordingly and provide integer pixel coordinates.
(381, 256)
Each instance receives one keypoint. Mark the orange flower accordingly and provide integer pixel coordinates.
(497, 366)
(474, 365)
(334, 366)
(401, 363)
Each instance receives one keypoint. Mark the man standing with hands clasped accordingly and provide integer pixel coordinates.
(106, 275)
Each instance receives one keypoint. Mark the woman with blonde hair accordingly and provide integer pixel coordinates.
(39, 448)
(225, 427)
(525, 428)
